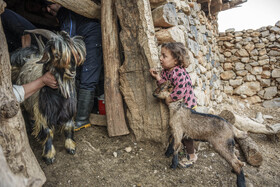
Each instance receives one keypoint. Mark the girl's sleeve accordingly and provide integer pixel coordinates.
(178, 92)
(163, 78)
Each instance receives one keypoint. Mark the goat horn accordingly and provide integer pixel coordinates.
(46, 33)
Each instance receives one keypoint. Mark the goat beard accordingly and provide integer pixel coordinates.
(66, 87)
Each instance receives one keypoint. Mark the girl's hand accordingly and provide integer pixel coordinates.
(168, 100)
(155, 74)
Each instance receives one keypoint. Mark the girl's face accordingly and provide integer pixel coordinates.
(166, 59)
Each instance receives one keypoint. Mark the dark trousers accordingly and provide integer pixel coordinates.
(188, 143)
(90, 29)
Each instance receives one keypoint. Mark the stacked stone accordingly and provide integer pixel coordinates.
(184, 21)
(251, 63)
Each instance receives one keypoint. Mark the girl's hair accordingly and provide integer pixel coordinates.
(178, 51)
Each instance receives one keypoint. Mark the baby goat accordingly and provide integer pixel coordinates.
(185, 122)
(51, 108)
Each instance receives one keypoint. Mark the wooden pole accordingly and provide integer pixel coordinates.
(251, 151)
(17, 162)
(116, 124)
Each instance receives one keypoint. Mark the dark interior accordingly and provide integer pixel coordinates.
(35, 12)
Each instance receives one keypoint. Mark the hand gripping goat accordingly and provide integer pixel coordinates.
(185, 122)
(51, 108)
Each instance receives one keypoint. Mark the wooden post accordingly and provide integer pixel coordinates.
(251, 151)
(116, 124)
(13, 137)
(147, 117)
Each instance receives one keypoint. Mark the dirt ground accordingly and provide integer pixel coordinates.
(104, 161)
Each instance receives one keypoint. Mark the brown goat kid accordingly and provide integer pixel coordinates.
(51, 108)
(185, 122)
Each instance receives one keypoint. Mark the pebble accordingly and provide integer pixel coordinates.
(115, 154)
(267, 117)
(128, 149)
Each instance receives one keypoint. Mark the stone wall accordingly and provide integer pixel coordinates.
(251, 63)
(184, 21)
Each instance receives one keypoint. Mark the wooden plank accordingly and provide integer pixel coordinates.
(116, 124)
(99, 120)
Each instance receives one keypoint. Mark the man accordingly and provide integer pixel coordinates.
(88, 74)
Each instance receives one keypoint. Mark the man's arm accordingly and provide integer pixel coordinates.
(26, 90)
(46, 80)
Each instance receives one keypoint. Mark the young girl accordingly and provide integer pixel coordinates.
(173, 61)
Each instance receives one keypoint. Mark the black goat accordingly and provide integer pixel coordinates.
(51, 108)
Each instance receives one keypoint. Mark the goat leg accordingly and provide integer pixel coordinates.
(48, 148)
(175, 161)
(241, 179)
(170, 149)
(70, 144)
(178, 136)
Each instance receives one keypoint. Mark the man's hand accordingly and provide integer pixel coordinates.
(49, 80)
(53, 8)
(26, 40)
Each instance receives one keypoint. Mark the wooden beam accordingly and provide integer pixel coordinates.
(247, 125)
(251, 151)
(85, 8)
(116, 124)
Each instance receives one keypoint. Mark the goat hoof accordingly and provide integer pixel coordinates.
(173, 166)
(71, 151)
(48, 161)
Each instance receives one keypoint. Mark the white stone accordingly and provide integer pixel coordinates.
(248, 88)
(250, 78)
(128, 149)
(239, 66)
(256, 70)
(276, 73)
(235, 83)
(267, 117)
(115, 154)
(274, 103)
(259, 117)
(270, 92)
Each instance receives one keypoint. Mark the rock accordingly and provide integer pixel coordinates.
(226, 75)
(128, 149)
(254, 99)
(270, 92)
(274, 103)
(275, 73)
(115, 154)
(248, 88)
(259, 117)
(267, 117)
